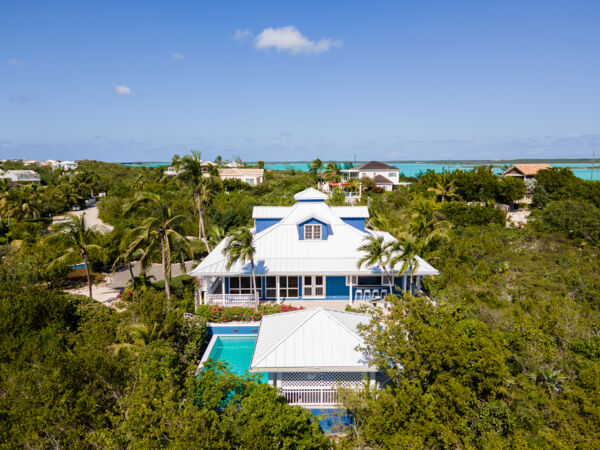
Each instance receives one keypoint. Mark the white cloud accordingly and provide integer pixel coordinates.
(15, 62)
(176, 56)
(241, 35)
(289, 39)
(123, 90)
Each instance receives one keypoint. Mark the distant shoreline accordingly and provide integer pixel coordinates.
(421, 161)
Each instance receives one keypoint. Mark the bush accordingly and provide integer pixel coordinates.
(575, 219)
(540, 197)
(221, 314)
(464, 215)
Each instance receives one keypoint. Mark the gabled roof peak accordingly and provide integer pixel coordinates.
(310, 194)
(376, 165)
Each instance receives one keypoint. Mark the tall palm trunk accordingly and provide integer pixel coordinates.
(166, 270)
(201, 229)
(389, 278)
(132, 277)
(87, 272)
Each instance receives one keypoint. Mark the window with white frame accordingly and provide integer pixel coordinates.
(312, 232)
(314, 286)
(392, 174)
(288, 287)
(243, 285)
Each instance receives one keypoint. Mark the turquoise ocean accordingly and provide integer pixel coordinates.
(582, 170)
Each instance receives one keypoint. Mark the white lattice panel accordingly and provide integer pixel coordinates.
(321, 379)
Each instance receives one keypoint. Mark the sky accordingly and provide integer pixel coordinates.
(289, 81)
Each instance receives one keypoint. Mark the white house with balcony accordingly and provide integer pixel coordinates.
(385, 176)
(68, 165)
(250, 176)
(307, 251)
(309, 371)
(21, 177)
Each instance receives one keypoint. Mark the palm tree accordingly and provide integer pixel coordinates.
(332, 172)
(405, 250)
(444, 187)
(217, 234)
(240, 247)
(131, 249)
(159, 232)
(427, 223)
(219, 160)
(192, 172)
(377, 254)
(79, 237)
(316, 167)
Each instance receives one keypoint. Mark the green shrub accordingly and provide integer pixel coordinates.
(463, 215)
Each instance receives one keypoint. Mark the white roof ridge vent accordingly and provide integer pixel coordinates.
(311, 194)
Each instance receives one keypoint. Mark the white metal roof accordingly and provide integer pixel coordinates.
(270, 212)
(279, 249)
(311, 194)
(313, 340)
(351, 211)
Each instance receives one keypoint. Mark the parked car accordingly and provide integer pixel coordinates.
(76, 208)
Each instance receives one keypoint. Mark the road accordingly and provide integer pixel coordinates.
(91, 219)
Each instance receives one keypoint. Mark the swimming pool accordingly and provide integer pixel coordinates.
(235, 350)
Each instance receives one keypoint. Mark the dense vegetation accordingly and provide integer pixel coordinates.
(504, 351)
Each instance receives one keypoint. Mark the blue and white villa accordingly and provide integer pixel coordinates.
(308, 251)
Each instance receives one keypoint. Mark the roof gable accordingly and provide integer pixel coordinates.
(310, 194)
(376, 165)
(526, 169)
(315, 339)
(380, 179)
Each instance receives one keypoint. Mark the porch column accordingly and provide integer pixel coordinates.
(277, 286)
(223, 289)
(404, 282)
(350, 299)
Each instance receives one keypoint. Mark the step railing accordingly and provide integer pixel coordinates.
(232, 299)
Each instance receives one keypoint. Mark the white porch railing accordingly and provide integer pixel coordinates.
(310, 396)
(232, 299)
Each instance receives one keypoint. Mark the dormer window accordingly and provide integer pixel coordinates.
(312, 232)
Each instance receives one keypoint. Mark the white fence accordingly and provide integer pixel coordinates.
(232, 299)
(310, 396)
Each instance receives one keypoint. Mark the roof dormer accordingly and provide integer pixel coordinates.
(314, 229)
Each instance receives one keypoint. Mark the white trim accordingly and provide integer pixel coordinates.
(314, 286)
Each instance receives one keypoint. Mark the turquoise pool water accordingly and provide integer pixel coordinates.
(237, 351)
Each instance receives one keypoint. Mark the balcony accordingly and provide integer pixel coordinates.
(310, 396)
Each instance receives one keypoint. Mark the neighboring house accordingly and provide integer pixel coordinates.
(30, 162)
(308, 354)
(21, 176)
(308, 251)
(233, 164)
(526, 172)
(50, 162)
(384, 175)
(68, 165)
(250, 176)
(171, 171)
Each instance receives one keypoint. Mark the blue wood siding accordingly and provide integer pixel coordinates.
(356, 222)
(311, 201)
(263, 224)
(336, 288)
(325, 228)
